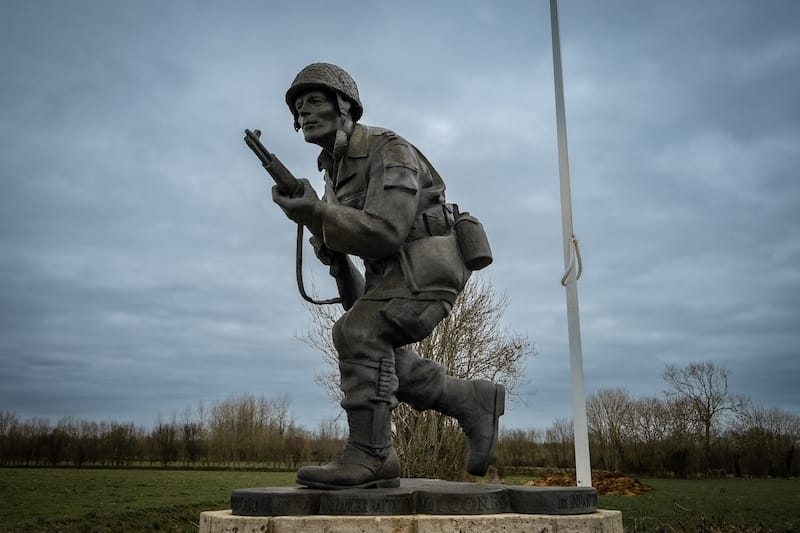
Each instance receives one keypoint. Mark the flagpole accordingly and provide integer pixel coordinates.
(572, 265)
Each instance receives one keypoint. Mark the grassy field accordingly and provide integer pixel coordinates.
(708, 505)
(99, 500)
(96, 500)
(711, 505)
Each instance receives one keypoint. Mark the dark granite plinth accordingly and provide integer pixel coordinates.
(415, 496)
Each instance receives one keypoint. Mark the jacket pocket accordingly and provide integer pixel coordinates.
(434, 264)
(354, 199)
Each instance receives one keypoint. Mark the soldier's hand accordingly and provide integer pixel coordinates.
(300, 209)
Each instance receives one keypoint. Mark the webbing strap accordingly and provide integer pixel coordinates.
(299, 273)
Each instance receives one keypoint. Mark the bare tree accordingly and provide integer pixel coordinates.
(329, 439)
(704, 386)
(165, 440)
(766, 441)
(650, 421)
(610, 414)
(518, 447)
(9, 436)
(319, 337)
(559, 442)
(471, 343)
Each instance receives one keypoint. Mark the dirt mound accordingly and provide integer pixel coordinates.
(606, 483)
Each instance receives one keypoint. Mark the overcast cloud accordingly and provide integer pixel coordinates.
(144, 268)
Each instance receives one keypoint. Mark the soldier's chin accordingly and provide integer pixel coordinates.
(313, 137)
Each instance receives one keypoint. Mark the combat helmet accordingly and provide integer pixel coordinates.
(326, 76)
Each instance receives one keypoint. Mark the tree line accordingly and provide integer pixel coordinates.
(242, 430)
(698, 428)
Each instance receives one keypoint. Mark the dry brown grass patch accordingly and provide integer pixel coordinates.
(606, 483)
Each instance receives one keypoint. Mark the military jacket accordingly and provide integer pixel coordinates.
(385, 203)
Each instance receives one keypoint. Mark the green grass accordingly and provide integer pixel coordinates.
(100, 500)
(707, 505)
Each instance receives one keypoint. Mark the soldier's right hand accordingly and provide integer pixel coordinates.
(300, 209)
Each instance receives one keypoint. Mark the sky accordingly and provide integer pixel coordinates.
(144, 269)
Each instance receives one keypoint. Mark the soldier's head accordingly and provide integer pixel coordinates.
(324, 100)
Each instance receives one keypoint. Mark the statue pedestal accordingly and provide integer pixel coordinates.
(597, 522)
(417, 506)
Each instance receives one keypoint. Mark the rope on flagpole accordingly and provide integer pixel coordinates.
(575, 256)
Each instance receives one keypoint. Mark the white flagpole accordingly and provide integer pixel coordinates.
(572, 264)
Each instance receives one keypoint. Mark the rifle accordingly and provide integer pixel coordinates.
(349, 280)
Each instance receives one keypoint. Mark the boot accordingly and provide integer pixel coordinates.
(477, 405)
(368, 461)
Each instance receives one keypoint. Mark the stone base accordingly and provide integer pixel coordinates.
(415, 496)
(598, 522)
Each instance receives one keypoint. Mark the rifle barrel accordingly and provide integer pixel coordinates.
(252, 141)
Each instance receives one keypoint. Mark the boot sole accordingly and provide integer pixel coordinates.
(392, 483)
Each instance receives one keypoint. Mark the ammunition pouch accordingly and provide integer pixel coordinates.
(442, 248)
(434, 264)
(472, 240)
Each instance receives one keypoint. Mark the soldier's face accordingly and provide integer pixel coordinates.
(318, 117)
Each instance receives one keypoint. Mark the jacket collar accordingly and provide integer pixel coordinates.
(357, 147)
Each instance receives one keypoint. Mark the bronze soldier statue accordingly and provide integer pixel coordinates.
(385, 203)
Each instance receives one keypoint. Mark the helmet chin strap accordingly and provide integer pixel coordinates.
(345, 127)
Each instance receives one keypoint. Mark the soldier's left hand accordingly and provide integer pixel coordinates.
(300, 209)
